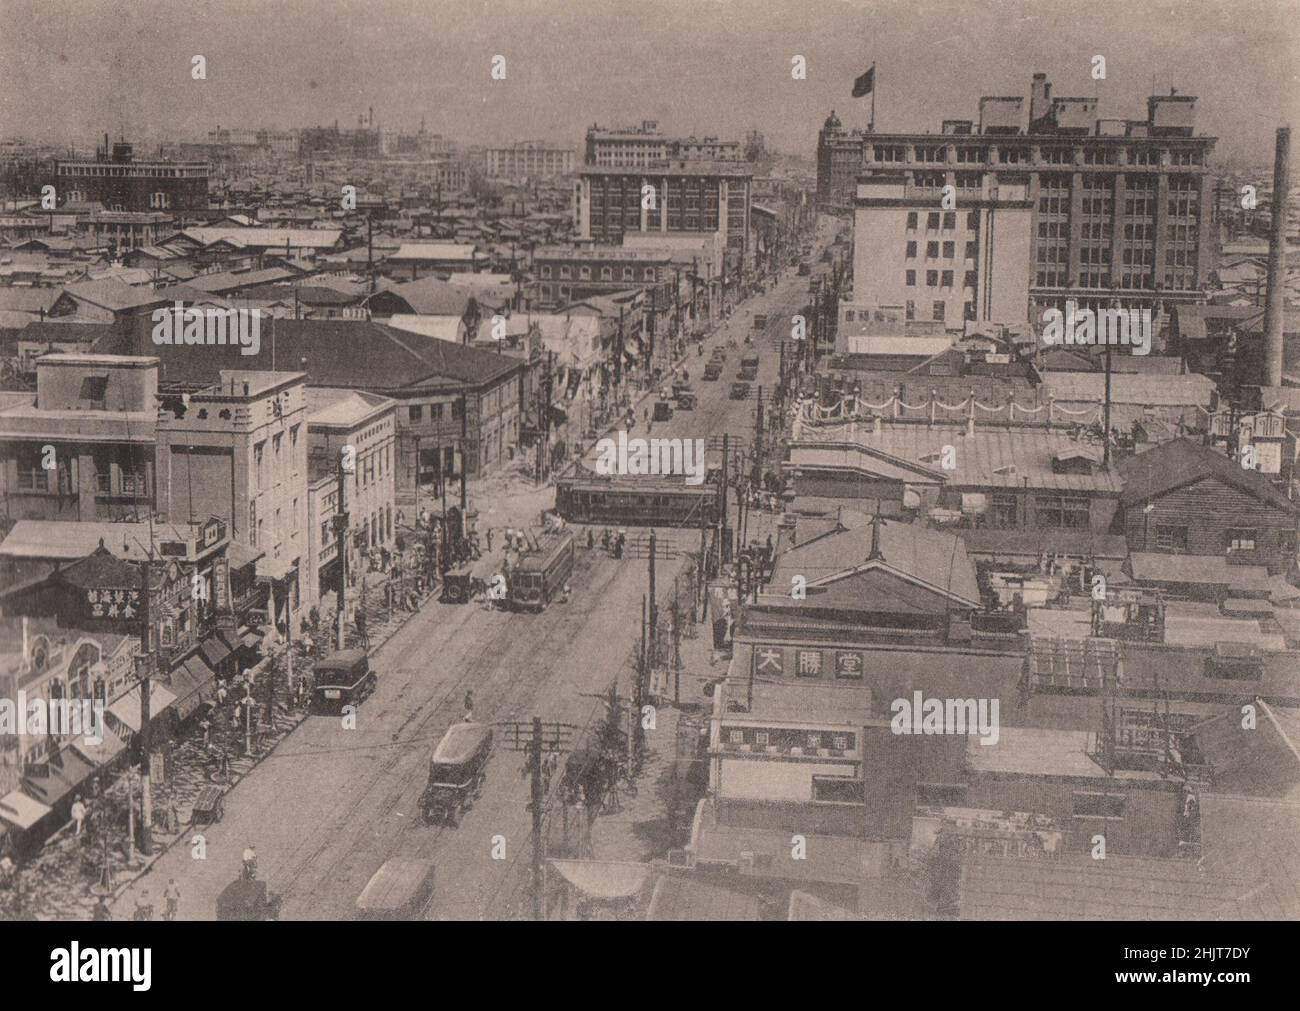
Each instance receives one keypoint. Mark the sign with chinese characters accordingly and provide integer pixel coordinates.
(221, 583)
(769, 660)
(122, 604)
(848, 664)
(810, 663)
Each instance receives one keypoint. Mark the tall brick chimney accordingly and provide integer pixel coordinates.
(1277, 261)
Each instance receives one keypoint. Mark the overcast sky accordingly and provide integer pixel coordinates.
(72, 69)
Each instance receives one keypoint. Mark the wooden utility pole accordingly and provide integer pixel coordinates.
(535, 739)
(146, 671)
(758, 438)
(654, 607)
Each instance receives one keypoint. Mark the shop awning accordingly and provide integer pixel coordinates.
(192, 682)
(603, 879)
(21, 811)
(126, 710)
(251, 640)
(67, 771)
(273, 568)
(101, 753)
(214, 651)
(241, 555)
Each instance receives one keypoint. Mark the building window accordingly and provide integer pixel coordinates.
(1004, 510)
(606, 273)
(1062, 512)
(252, 523)
(457, 410)
(938, 311)
(911, 221)
(945, 279)
(1241, 539)
(932, 278)
(415, 412)
(565, 273)
(932, 250)
(1171, 538)
(546, 270)
(911, 250)
(1108, 806)
(949, 250)
(950, 219)
(911, 278)
(584, 273)
(910, 311)
(932, 221)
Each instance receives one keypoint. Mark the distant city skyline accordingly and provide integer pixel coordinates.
(126, 67)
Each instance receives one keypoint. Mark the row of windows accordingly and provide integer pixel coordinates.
(259, 453)
(971, 155)
(606, 273)
(940, 278)
(937, 309)
(415, 412)
(949, 250)
(1174, 538)
(948, 220)
(1177, 280)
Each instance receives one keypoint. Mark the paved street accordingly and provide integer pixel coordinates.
(330, 806)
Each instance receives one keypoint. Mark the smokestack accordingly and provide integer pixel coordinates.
(1276, 255)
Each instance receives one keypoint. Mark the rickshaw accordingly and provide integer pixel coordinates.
(402, 889)
(343, 678)
(456, 772)
(209, 807)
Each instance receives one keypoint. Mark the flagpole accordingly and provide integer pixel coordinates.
(871, 128)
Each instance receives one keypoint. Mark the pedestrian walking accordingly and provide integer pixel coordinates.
(144, 906)
(469, 706)
(78, 814)
(250, 863)
(171, 899)
(489, 540)
(102, 913)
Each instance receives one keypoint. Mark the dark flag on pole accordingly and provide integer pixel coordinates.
(863, 85)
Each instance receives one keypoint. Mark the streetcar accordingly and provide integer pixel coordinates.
(543, 572)
(637, 501)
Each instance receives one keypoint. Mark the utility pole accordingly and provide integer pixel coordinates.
(722, 512)
(638, 732)
(538, 795)
(370, 251)
(758, 438)
(146, 670)
(1105, 424)
(654, 607)
(464, 460)
(535, 739)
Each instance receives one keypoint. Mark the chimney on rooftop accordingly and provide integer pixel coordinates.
(1276, 261)
(1040, 98)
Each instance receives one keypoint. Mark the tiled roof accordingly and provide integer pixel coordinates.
(1081, 888)
(1181, 462)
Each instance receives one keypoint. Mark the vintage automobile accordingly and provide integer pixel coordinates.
(760, 321)
(712, 372)
(456, 772)
(209, 807)
(686, 400)
(402, 889)
(248, 901)
(739, 391)
(663, 410)
(459, 586)
(342, 678)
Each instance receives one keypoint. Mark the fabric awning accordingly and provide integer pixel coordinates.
(273, 568)
(214, 651)
(126, 710)
(101, 753)
(67, 771)
(603, 879)
(240, 555)
(192, 682)
(21, 811)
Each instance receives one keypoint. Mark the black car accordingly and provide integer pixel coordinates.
(740, 391)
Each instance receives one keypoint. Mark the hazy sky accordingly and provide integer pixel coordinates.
(72, 69)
